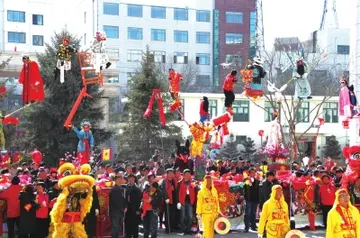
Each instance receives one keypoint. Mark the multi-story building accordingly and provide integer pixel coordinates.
(25, 25)
(251, 117)
(179, 33)
(234, 35)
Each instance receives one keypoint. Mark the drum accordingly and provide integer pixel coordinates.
(295, 234)
(222, 226)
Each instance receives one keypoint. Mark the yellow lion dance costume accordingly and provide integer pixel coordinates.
(73, 203)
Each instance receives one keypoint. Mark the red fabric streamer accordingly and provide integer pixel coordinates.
(156, 94)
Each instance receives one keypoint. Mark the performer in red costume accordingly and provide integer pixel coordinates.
(30, 78)
(204, 110)
(228, 88)
(174, 81)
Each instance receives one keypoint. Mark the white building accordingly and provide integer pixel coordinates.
(25, 25)
(178, 32)
(249, 118)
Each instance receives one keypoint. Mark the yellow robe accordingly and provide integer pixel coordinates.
(275, 215)
(208, 208)
(335, 224)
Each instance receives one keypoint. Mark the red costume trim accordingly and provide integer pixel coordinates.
(182, 193)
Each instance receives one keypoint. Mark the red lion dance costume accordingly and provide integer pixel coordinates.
(174, 81)
(352, 156)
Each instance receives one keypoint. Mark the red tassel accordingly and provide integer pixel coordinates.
(161, 110)
(10, 121)
(225, 118)
(149, 108)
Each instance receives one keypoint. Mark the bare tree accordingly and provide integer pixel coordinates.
(189, 72)
(5, 62)
(322, 82)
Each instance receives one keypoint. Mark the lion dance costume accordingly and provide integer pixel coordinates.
(351, 154)
(207, 207)
(275, 216)
(174, 81)
(73, 203)
(343, 222)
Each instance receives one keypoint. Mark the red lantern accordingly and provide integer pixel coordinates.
(321, 121)
(36, 156)
(261, 133)
(345, 124)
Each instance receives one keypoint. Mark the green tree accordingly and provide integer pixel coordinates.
(249, 148)
(332, 148)
(44, 122)
(230, 150)
(141, 136)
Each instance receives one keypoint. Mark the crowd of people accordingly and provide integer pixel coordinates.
(139, 196)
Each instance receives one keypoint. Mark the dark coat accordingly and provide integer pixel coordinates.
(117, 200)
(27, 218)
(265, 191)
(133, 197)
(90, 220)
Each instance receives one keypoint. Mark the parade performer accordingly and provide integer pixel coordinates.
(73, 203)
(198, 134)
(174, 82)
(343, 219)
(217, 138)
(228, 88)
(101, 60)
(207, 207)
(302, 85)
(63, 58)
(204, 110)
(275, 215)
(274, 145)
(86, 142)
(254, 89)
(345, 105)
(30, 78)
(352, 172)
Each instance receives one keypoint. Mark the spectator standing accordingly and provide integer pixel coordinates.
(42, 213)
(251, 195)
(117, 205)
(132, 216)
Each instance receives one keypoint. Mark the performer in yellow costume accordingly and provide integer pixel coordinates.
(207, 207)
(343, 219)
(275, 215)
(198, 134)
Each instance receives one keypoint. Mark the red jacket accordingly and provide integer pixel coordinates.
(43, 201)
(229, 83)
(327, 194)
(11, 195)
(186, 190)
(202, 111)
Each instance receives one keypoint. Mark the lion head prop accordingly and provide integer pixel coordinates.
(74, 202)
(352, 157)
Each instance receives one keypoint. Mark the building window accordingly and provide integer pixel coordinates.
(203, 37)
(234, 17)
(84, 17)
(180, 58)
(135, 11)
(268, 110)
(181, 36)
(134, 55)
(38, 40)
(330, 110)
(158, 12)
(15, 16)
(159, 56)
(111, 32)
(233, 38)
(130, 75)
(180, 14)
(343, 49)
(212, 108)
(135, 33)
(16, 37)
(113, 80)
(240, 139)
(202, 16)
(234, 59)
(38, 20)
(178, 115)
(302, 114)
(111, 8)
(203, 59)
(203, 80)
(241, 110)
(158, 35)
(85, 39)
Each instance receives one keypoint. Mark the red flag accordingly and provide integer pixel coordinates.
(15, 48)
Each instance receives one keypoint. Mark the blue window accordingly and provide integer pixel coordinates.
(112, 32)
(180, 14)
(15, 16)
(203, 37)
(135, 33)
(38, 19)
(203, 59)
(158, 12)
(234, 17)
(158, 35)
(111, 8)
(181, 36)
(135, 11)
(233, 38)
(343, 49)
(38, 40)
(202, 16)
(16, 37)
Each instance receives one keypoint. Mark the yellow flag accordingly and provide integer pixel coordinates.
(106, 154)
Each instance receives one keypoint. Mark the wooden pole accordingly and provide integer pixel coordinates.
(20, 109)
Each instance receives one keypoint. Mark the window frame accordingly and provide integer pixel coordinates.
(158, 8)
(134, 52)
(20, 15)
(302, 109)
(232, 57)
(37, 16)
(241, 117)
(42, 40)
(213, 108)
(207, 17)
(129, 29)
(109, 6)
(334, 117)
(179, 117)
(232, 38)
(184, 55)
(268, 111)
(200, 55)
(130, 12)
(110, 35)
(159, 54)
(202, 35)
(177, 16)
(232, 15)
(343, 49)
(18, 36)
(179, 31)
(153, 34)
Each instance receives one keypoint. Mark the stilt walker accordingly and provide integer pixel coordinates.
(174, 81)
(228, 88)
(63, 59)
